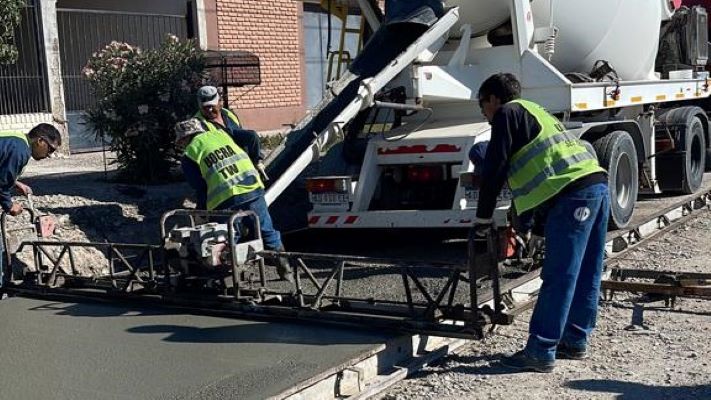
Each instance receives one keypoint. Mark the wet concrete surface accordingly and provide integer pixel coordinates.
(92, 350)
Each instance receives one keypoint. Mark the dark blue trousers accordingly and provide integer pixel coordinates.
(566, 309)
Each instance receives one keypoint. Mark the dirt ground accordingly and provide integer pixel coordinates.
(668, 359)
(88, 206)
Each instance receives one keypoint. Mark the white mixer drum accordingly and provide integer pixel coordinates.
(623, 32)
(483, 15)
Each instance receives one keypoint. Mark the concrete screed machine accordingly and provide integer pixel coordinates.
(627, 77)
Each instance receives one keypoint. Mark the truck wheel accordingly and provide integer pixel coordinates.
(695, 157)
(684, 170)
(616, 153)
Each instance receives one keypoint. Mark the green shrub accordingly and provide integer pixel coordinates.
(10, 17)
(140, 95)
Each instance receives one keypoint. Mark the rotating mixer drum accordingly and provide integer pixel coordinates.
(617, 31)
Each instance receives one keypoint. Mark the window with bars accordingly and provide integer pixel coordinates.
(23, 85)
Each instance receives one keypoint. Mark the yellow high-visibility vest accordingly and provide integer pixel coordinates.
(226, 168)
(547, 164)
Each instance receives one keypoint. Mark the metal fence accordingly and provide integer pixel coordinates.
(83, 32)
(23, 85)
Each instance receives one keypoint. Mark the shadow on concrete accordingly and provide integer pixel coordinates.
(244, 331)
(96, 309)
(635, 390)
(260, 332)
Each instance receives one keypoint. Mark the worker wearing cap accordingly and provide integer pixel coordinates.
(16, 148)
(224, 178)
(552, 172)
(213, 115)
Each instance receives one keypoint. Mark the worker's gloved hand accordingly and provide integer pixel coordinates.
(15, 209)
(23, 189)
(262, 170)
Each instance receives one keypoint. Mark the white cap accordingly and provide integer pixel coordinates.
(208, 96)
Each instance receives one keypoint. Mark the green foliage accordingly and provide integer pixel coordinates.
(141, 95)
(10, 17)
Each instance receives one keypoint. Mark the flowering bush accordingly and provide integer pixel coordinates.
(140, 95)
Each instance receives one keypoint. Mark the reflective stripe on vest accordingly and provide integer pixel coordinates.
(225, 167)
(546, 165)
(210, 126)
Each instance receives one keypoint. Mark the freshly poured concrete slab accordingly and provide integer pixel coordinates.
(51, 350)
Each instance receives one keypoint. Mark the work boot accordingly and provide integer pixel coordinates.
(284, 267)
(568, 352)
(523, 362)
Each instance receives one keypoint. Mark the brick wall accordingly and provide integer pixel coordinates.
(271, 29)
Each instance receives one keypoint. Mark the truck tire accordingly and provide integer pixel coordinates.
(616, 153)
(695, 157)
(683, 171)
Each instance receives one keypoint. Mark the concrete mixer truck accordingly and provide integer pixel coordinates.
(626, 76)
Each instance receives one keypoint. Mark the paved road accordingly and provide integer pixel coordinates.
(98, 351)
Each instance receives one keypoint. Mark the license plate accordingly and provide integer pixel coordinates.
(329, 198)
(472, 195)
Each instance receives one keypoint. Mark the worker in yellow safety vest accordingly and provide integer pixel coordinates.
(225, 178)
(551, 172)
(213, 116)
(16, 148)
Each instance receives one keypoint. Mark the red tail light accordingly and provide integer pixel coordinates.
(327, 185)
(424, 173)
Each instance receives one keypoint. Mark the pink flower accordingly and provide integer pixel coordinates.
(88, 72)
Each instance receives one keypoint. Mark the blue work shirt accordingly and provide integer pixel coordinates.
(14, 156)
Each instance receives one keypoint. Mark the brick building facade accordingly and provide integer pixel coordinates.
(271, 29)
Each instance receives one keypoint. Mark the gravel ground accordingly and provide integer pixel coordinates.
(669, 360)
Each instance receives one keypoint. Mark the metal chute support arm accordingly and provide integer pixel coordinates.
(374, 68)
